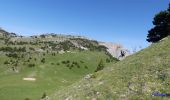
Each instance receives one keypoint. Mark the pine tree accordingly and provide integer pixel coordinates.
(169, 8)
(161, 27)
(169, 19)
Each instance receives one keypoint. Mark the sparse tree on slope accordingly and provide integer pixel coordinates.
(161, 27)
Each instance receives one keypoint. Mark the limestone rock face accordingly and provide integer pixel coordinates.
(116, 50)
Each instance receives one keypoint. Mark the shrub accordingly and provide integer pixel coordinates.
(108, 60)
(67, 61)
(78, 66)
(6, 62)
(31, 48)
(63, 62)
(44, 95)
(53, 54)
(100, 66)
(85, 67)
(43, 60)
(70, 67)
(27, 99)
(42, 36)
(31, 65)
(13, 55)
(58, 64)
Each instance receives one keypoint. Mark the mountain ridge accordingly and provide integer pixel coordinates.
(116, 50)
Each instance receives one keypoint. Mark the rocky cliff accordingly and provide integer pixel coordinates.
(116, 50)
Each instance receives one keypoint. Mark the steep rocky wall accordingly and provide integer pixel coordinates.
(116, 50)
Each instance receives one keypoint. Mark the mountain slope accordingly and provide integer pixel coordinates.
(32, 67)
(135, 77)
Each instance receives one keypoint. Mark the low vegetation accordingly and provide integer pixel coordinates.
(136, 77)
(47, 66)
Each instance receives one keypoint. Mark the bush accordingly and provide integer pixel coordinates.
(67, 61)
(78, 66)
(10, 49)
(85, 67)
(100, 66)
(42, 36)
(43, 60)
(108, 60)
(63, 62)
(44, 95)
(58, 64)
(13, 55)
(31, 65)
(6, 62)
(75, 63)
(53, 54)
(31, 48)
(27, 99)
(70, 67)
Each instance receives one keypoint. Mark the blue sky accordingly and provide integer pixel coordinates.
(119, 21)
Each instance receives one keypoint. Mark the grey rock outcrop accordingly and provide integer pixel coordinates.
(116, 50)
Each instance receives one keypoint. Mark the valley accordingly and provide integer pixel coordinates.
(31, 67)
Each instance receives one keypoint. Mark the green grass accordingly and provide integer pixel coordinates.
(50, 76)
(134, 78)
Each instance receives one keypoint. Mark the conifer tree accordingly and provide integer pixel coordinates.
(161, 27)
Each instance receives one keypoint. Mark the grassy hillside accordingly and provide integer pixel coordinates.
(50, 76)
(134, 78)
(52, 64)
